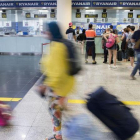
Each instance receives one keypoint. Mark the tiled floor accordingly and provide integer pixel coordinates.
(17, 75)
(31, 120)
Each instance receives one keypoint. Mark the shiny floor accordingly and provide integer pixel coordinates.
(17, 75)
(31, 120)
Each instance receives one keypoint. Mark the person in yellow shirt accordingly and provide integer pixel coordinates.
(58, 81)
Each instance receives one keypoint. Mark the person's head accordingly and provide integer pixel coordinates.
(128, 27)
(83, 31)
(53, 31)
(70, 24)
(107, 30)
(111, 26)
(126, 30)
(77, 28)
(90, 26)
(132, 28)
(115, 31)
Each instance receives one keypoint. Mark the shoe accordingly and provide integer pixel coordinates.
(114, 67)
(132, 77)
(94, 62)
(131, 68)
(109, 66)
(86, 61)
(105, 62)
(111, 62)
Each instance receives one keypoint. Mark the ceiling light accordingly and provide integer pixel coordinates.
(90, 10)
(43, 11)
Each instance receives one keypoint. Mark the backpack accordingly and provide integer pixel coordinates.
(137, 45)
(110, 42)
(113, 113)
(73, 57)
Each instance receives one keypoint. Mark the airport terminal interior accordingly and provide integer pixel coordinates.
(23, 45)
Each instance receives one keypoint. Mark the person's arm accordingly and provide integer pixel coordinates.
(67, 31)
(105, 36)
(74, 35)
(122, 37)
(133, 40)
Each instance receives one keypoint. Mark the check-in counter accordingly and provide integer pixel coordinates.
(19, 44)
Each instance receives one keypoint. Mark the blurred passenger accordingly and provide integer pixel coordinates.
(90, 44)
(71, 33)
(78, 32)
(128, 28)
(124, 46)
(82, 39)
(135, 39)
(113, 49)
(131, 45)
(59, 83)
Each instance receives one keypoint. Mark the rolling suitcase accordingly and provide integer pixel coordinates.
(113, 113)
(119, 55)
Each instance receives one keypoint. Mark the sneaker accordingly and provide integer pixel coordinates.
(114, 67)
(105, 62)
(109, 66)
(94, 62)
(132, 77)
(86, 61)
(131, 68)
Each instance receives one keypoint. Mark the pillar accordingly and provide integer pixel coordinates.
(64, 14)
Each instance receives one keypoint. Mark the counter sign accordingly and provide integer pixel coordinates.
(138, 16)
(130, 15)
(4, 15)
(28, 15)
(104, 15)
(78, 15)
(52, 15)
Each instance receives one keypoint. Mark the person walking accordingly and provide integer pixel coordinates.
(124, 46)
(71, 33)
(131, 45)
(59, 83)
(90, 44)
(135, 39)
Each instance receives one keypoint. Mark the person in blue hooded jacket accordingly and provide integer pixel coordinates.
(59, 83)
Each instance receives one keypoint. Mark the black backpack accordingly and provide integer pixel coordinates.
(73, 57)
(113, 113)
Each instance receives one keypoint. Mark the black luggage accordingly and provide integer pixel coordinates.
(119, 55)
(113, 113)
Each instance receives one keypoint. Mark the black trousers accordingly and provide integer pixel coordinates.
(105, 54)
(90, 45)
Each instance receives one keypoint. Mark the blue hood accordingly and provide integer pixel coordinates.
(55, 31)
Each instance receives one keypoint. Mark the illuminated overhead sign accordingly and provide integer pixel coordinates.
(78, 15)
(105, 3)
(104, 15)
(89, 3)
(138, 16)
(130, 15)
(28, 15)
(4, 15)
(91, 15)
(40, 15)
(52, 15)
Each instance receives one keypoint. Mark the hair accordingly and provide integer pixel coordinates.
(83, 31)
(126, 30)
(132, 28)
(128, 26)
(115, 31)
(111, 26)
(90, 26)
(107, 29)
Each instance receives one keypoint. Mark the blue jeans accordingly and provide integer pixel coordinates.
(137, 65)
(124, 54)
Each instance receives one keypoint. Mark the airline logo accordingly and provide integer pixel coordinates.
(49, 4)
(7, 4)
(81, 3)
(104, 4)
(27, 4)
(129, 4)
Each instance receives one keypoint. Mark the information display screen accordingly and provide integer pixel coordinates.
(91, 15)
